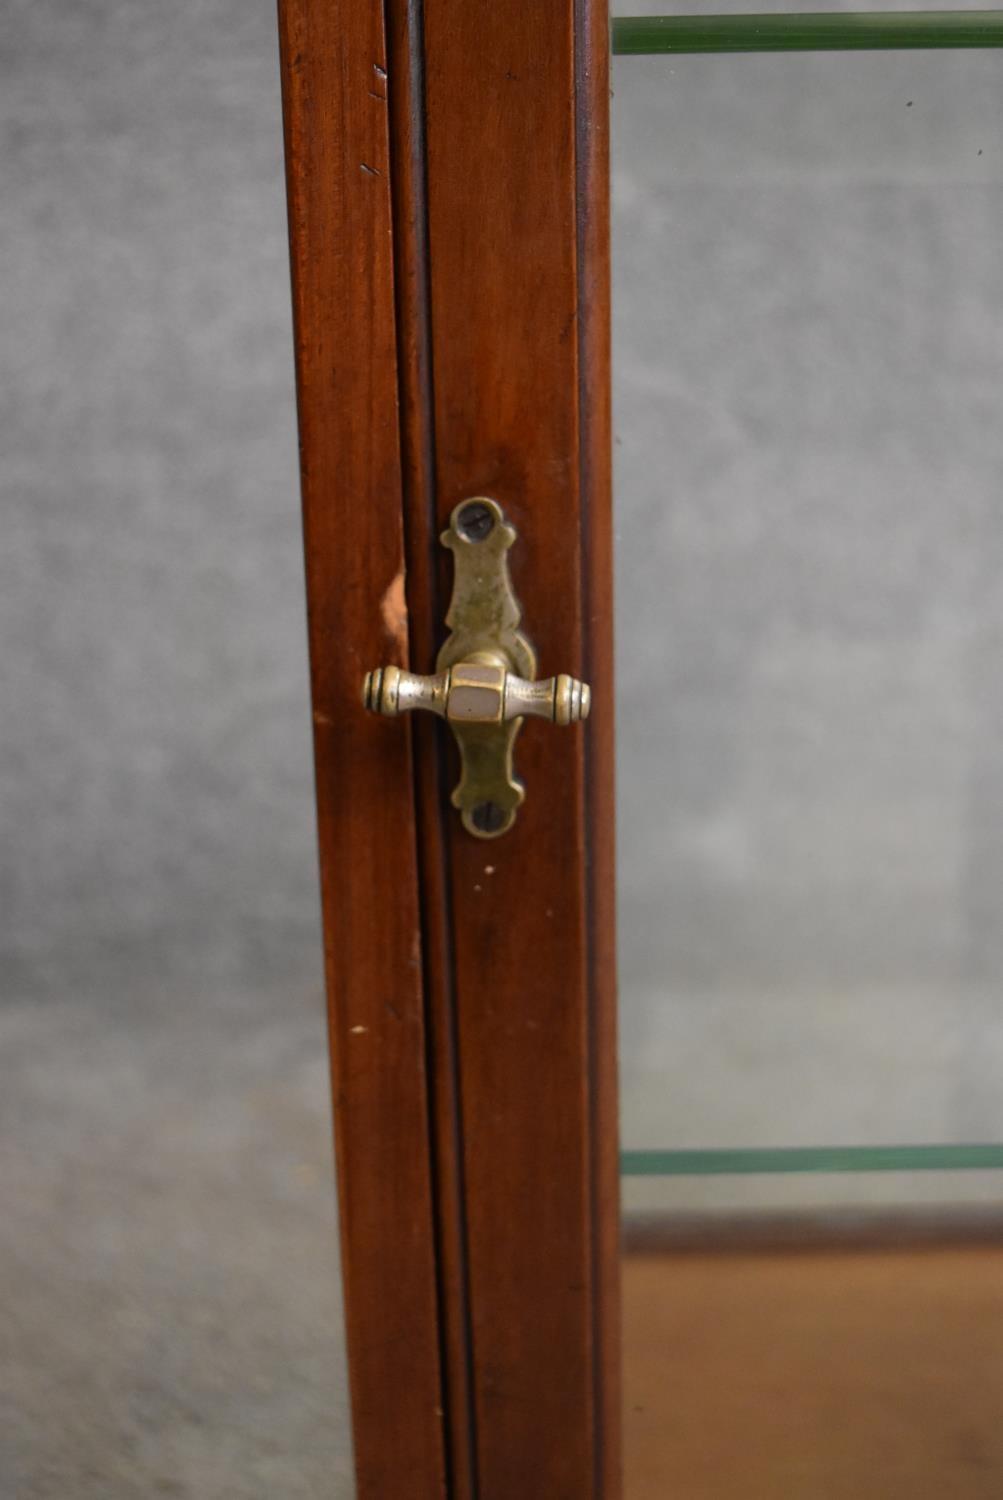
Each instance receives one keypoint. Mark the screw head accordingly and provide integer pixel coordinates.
(475, 521)
(488, 817)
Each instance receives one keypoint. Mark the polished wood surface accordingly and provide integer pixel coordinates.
(334, 70)
(517, 280)
(449, 219)
(869, 1374)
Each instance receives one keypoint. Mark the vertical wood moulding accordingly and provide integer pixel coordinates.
(592, 85)
(518, 256)
(337, 161)
(427, 593)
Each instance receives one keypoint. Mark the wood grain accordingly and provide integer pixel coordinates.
(518, 281)
(334, 69)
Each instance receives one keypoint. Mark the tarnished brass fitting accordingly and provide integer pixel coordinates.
(485, 684)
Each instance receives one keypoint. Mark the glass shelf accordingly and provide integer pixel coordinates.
(748, 1161)
(836, 31)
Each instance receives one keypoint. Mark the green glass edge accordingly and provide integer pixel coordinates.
(831, 31)
(769, 1160)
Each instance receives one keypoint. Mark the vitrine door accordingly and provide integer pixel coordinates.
(449, 219)
(806, 273)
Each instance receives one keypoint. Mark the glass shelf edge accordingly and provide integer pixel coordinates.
(786, 1159)
(820, 31)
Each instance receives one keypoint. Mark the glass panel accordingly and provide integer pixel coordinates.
(808, 293)
(171, 1322)
(808, 360)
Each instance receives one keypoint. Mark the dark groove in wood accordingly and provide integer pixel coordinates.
(427, 611)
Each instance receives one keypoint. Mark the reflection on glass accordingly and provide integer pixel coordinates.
(808, 299)
(808, 362)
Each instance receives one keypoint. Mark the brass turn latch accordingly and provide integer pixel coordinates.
(485, 684)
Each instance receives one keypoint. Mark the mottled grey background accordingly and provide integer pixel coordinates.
(168, 1261)
(808, 298)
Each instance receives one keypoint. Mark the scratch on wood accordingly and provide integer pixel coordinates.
(371, 170)
(380, 82)
(393, 608)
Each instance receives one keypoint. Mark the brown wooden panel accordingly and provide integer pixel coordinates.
(334, 84)
(517, 234)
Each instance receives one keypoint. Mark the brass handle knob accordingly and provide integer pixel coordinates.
(486, 680)
(477, 692)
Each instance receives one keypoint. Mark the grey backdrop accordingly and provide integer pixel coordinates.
(808, 300)
(168, 1250)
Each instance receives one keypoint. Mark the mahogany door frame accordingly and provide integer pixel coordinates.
(447, 165)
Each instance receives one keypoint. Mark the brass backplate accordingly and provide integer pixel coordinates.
(483, 618)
